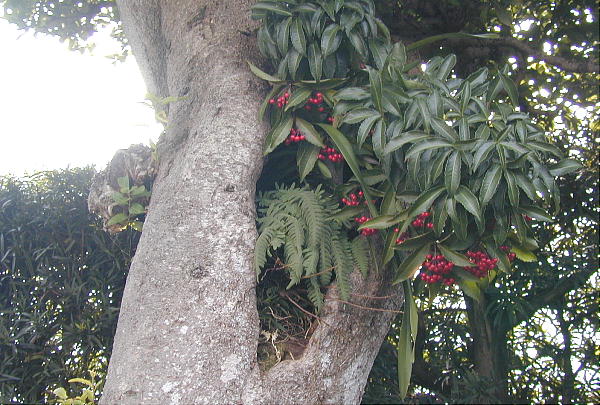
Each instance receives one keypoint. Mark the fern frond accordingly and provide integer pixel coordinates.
(261, 251)
(325, 260)
(360, 254)
(343, 264)
(313, 213)
(293, 250)
(296, 220)
(311, 259)
(314, 293)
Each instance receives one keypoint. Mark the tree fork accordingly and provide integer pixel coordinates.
(188, 327)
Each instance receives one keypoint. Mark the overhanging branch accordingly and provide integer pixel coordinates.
(570, 65)
(553, 293)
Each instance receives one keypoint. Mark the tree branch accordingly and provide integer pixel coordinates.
(575, 66)
(555, 292)
(423, 373)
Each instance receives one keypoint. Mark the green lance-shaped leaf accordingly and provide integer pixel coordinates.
(443, 129)
(297, 36)
(536, 213)
(324, 170)
(376, 89)
(415, 242)
(358, 43)
(465, 275)
(421, 204)
(446, 67)
(503, 263)
(352, 94)
(482, 154)
(402, 139)
(512, 188)
(271, 7)
(469, 201)
(278, 134)
(378, 139)
(265, 104)
(465, 97)
(526, 185)
(306, 158)
(510, 87)
(411, 264)
(405, 350)
(470, 288)
(309, 132)
(398, 54)
(524, 254)
(426, 145)
(331, 39)
(365, 128)
(345, 147)
(283, 35)
(378, 51)
(293, 59)
(329, 8)
(545, 147)
(346, 213)
(263, 75)
(490, 183)
(315, 61)
(494, 87)
(299, 96)
(455, 257)
(452, 175)
(359, 115)
(381, 222)
(440, 216)
(565, 166)
(452, 35)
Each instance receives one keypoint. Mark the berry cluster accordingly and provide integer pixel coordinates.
(315, 102)
(421, 221)
(281, 101)
(437, 270)
(511, 255)
(366, 231)
(295, 136)
(354, 200)
(483, 263)
(402, 237)
(330, 154)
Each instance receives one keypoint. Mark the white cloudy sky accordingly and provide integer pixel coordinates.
(61, 108)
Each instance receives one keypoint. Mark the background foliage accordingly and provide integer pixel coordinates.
(61, 280)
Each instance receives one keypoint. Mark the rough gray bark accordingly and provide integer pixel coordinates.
(188, 328)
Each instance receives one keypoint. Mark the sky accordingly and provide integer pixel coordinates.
(60, 108)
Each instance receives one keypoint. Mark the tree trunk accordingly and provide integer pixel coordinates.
(488, 351)
(188, 327)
